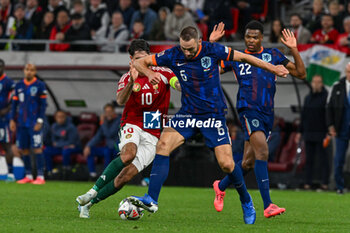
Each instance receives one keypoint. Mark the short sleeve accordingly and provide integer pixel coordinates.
(280, 58)
(163, 58)
(223, 52)
(15, 95)
(123, 82)
(43, 91)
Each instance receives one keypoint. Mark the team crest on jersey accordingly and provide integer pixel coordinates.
(128, 136)
(161, 53)
(206, 62)
(255, 123)
(33, 91)
(136, 87)
(266, 57)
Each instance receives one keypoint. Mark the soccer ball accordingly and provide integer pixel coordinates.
(128, 211)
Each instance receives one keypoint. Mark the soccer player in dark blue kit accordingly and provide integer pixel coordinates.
(30, 99)
(195, 63)
(255, 105)
(6, 87)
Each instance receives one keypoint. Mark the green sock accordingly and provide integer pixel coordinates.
(111, 171)
(106, 191)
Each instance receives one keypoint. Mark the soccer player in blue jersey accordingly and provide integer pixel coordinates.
(196, 64)
(6, 87)
(255, 105)
(30, 100)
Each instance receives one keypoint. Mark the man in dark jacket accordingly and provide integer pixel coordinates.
(338, 120)
(65, 141)
(107, 131)
(314, 130)
(79, 31)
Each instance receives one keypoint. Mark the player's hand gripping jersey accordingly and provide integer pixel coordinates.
(146, 98)
(201, 92)
(257, 87)
(31, 99)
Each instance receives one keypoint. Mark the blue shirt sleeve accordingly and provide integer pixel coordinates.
(279, 57)
(163, 58)
(14, 105)
(42, 96)
(222, 52)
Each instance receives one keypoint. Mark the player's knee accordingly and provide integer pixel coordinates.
(248, 164)
(128, 154)
(262, 154)
(227, 166)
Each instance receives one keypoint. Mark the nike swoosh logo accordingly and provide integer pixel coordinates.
(220, 139)
(264, 180)
(180, 64)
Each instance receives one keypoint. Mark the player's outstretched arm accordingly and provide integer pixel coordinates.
(296, 69)
(277, 70)
(142, 64)
(124, 94)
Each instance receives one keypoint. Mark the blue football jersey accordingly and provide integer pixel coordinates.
(6, 87)
(257, 86)
(30, 97)
(199, 77)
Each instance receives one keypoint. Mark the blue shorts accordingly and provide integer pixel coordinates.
(28, 138)
(4, 130)
(253, 121)
(213, 129)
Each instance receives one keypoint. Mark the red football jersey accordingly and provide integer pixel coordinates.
(146, 98)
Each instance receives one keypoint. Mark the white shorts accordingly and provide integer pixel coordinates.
(145, 142)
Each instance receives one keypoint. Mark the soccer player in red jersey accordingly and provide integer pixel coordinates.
(140, 127)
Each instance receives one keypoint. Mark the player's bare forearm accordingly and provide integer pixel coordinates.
(298, 68)
(123, 95)
(178, 86)
(5, 110)
(142, 64)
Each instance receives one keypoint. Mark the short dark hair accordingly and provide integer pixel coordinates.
(327, 15)
(189, 33)
(178, 4)
(138, 45)
(108, 105)
(297, 15)
(255, 25)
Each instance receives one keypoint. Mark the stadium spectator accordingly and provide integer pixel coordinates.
(302, 34)
(78, 7)
(274, 139)
(138, 31)
(30, 98)
(276, 31)
(6, 10)
(217, 11)
(176, 21)
(114, 33)
(34, 13)
(55, 6)
(338, 121)
(44, 31)
(97, 16)
(328, 34)
(127, 10)
(158, 29)
(108, 131)
(343, 41)
(59, 30)
(334, 11)
(195, 7)
(314, 130)
(146, 15)
(313, 19)
(19, 28)
(65, 142)
(79, 31)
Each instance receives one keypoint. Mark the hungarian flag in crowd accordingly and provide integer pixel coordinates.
(324, 60)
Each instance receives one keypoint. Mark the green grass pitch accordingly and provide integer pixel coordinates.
(52, 208)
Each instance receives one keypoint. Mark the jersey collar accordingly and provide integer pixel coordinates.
(29, 83)
(261, 49)
(2, 76)
(199, 50)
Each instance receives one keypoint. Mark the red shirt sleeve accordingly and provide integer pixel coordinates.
(166, 73)
(123, 82)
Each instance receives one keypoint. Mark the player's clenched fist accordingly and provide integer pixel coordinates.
(281, 71)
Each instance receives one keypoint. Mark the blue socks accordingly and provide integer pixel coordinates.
(40, 164)
(262, 179)
(159, 174)
(237, 180)
(27, 164)
(225, 182)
